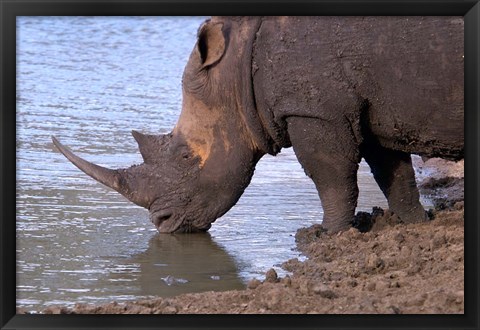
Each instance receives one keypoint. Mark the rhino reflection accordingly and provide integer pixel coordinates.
(176, 264)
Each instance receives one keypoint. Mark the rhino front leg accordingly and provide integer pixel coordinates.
(395, 176)
(329, 155)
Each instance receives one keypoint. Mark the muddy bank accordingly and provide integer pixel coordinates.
(441, 181)
(393, 268)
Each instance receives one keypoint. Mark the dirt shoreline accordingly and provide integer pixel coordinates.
(394, 268)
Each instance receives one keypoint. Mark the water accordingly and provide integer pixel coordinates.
(90, 81)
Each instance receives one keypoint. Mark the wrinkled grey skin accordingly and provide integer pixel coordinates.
(335, 88)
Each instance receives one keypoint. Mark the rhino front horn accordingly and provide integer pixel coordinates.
(114, 179)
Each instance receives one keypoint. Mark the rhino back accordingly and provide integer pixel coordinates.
(408, 70)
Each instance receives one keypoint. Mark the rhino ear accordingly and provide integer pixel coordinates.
(211, 43)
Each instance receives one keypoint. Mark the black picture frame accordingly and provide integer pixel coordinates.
(10, 9)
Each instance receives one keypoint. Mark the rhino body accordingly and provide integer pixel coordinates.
(337, 89)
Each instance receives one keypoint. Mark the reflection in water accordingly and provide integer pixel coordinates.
(175, 264)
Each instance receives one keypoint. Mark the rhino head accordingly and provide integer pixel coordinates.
(196, 173)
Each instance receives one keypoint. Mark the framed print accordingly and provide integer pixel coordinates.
(239, 165)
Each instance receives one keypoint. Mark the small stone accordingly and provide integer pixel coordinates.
(271, 276)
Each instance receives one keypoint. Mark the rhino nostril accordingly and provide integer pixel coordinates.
(164, 217)
(159, 218)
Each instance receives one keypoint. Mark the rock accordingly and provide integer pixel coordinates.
(271, 276)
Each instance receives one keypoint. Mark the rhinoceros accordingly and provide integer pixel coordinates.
(337, 89)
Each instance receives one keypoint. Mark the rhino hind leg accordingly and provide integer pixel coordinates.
(329, 154)
(393, 172)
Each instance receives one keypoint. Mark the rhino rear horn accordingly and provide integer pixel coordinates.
(115, 179)
(150, 146)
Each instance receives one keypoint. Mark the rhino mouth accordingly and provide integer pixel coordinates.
(168, 221)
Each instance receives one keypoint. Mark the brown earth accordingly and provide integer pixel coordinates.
(392, 268)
